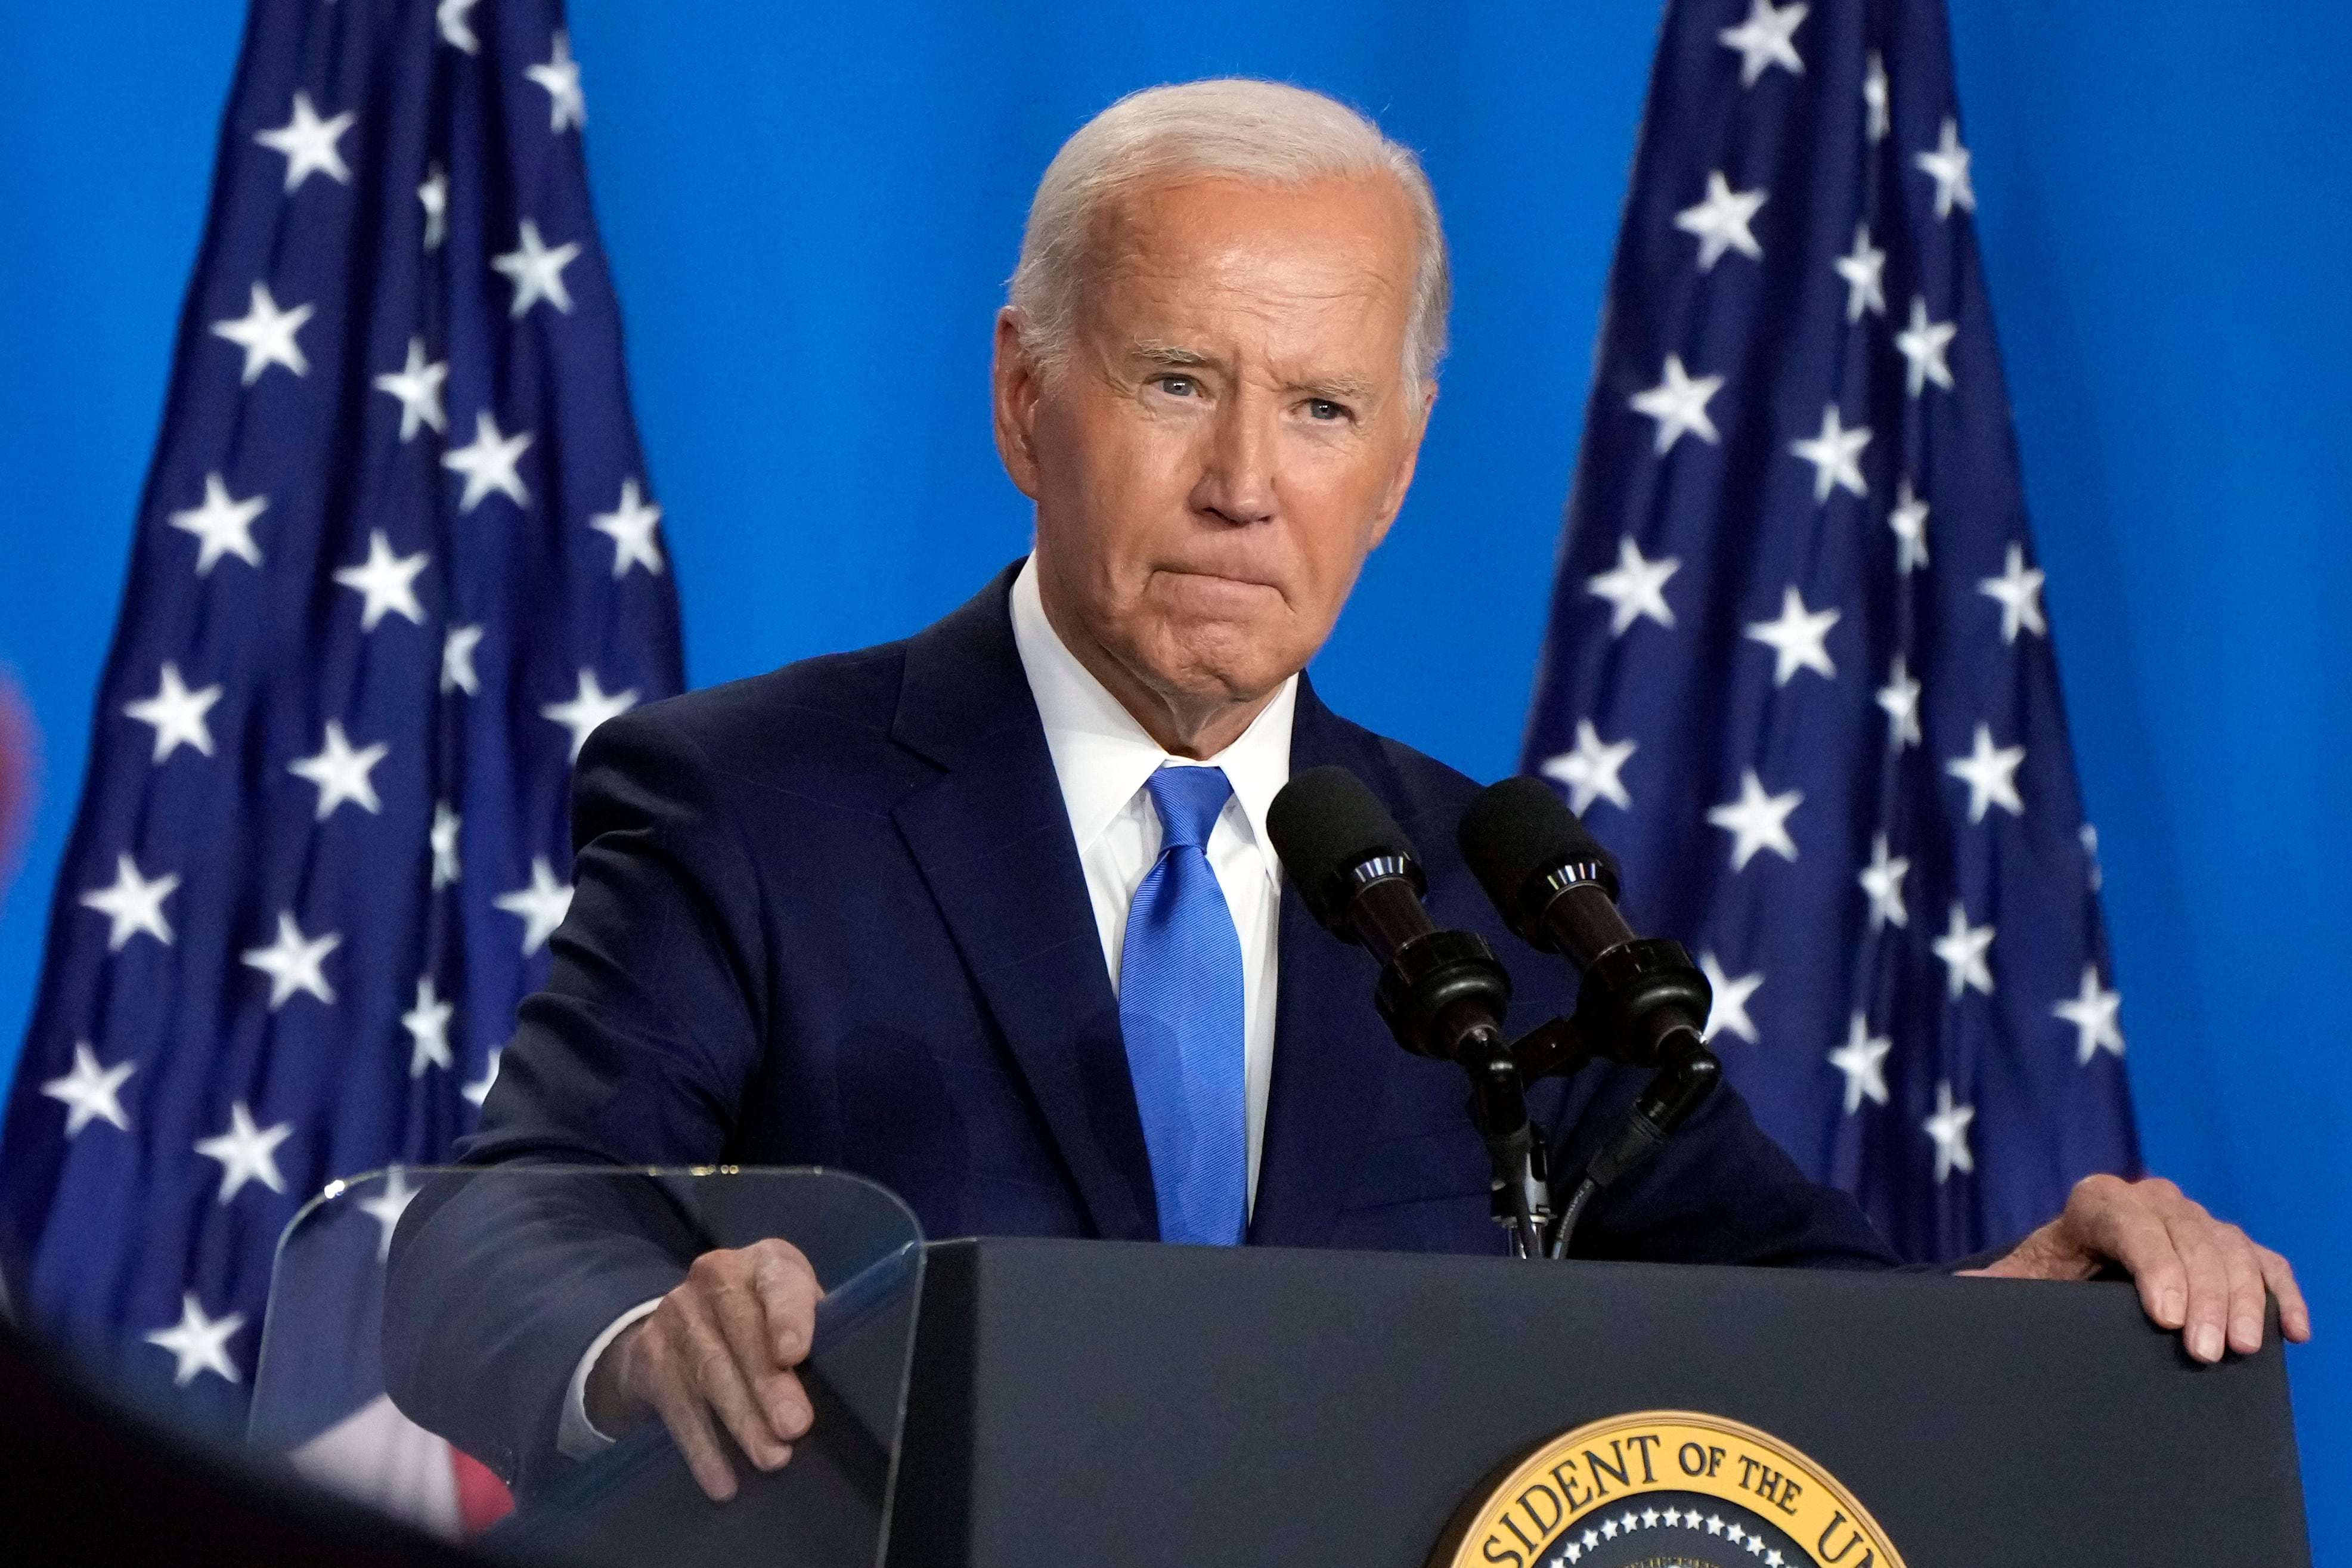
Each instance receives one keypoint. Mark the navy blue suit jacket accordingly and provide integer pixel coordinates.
(833, 915)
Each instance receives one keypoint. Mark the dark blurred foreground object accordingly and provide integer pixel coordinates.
(79, 1468)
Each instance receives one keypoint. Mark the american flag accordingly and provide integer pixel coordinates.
(1798, 671)
(397, 555)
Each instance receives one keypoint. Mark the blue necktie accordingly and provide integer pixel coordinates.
(1180, 1007)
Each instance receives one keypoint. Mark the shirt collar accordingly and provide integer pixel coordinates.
(1102, 756)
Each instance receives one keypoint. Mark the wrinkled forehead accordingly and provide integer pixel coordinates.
(1334, 255)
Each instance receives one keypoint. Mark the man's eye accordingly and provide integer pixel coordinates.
(1179, 386)
(1323, 408)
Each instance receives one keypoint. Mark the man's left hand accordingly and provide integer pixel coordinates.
(2195, 1273)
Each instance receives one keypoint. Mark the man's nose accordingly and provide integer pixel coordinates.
(1236, 483)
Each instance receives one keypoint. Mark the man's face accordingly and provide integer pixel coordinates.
(1229, 435)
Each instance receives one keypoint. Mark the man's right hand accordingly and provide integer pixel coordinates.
(723, 1343)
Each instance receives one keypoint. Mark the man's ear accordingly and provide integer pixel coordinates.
(1392, 499)
(1017, 384)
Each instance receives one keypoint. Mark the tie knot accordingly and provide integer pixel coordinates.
(1188, 801)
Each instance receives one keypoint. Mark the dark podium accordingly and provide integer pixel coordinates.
(1094, 1402)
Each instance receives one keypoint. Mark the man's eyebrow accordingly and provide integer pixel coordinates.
(1337, 389)
(1171, 354)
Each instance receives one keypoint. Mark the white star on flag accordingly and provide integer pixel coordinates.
(309, 144)
(2018, 592)
(1877, 121)
(1882, 879)
(537, 271)
(247, 1153)
(176, 714)
(341, 771)
(1949, 1128)
(134, 904)
(1909, 521)
(479, 1090)
(1948, 165)
(567, 106)
(457, 647)
(1900, 697)
(2093, 1013)
(630, 527)
(1861, 269)
(387, 1204)
(427, 1023)
(590, 707)
(1990, 773)
(198, 1342)
(1962, 948)
(1757, 821)
(1721, 221)
(1728, 1009)
(1835, 455)
(1590, 771)
(386, 582)
(266, 333)
(1922, 345)
(489, 463)
(417, 384)
(1764, 40)
(542, 905)
(1634, 587)
(454, 19)
(1678, 403)
(1863, 1060)
(89, 1092)
(224, 526)
(446, 869)
(293, 963)
(1797, 637)
(433, 196)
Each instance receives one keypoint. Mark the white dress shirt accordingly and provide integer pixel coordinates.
(1101, 759)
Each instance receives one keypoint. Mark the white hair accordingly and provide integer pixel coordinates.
(1266, 133)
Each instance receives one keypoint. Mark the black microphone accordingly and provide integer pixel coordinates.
(1441, 993)
(1556, 888)
(1640, 1001)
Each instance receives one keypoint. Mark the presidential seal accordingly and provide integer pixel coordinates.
(1665, 1489)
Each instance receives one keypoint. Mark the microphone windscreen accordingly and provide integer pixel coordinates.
(1516, 831)
(1324, 824)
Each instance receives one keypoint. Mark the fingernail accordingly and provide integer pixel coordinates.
(2175, 1305)
(784, 1457)
(2205, 1344)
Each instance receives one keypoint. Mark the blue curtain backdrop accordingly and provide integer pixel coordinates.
(809, 212)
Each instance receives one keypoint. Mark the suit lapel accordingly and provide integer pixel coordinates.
(1332, 1057)
(992, 838)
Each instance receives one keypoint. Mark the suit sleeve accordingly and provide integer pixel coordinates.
(1721, 1191)
(636, 1053)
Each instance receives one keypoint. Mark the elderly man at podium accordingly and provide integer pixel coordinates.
(902, 910)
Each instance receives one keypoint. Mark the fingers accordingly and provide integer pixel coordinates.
(717, 1354)
(2118, 1222)
(2294, 1314)
(2196, 1274)
(725, 1384)
(763, 1300)
(788, 1293)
